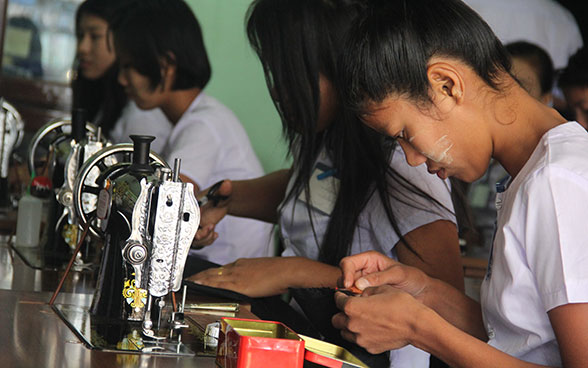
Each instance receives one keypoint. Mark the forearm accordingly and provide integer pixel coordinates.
(458, 349)
(307, 273)
(259, 198)
(456, 307)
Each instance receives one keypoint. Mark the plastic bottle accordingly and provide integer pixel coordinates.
(28, 223)
(31, 212)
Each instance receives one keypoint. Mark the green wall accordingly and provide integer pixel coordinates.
(237, 77)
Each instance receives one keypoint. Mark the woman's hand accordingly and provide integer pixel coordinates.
(212, 212)
(381, 319)
(254, 277)
(371, 269)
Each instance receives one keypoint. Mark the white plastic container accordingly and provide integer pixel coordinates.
(28, 224)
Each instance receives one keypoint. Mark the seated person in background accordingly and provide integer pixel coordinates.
(573, 82)
(348, 191)
(452, 83)
(532, 66)
(163, 64)
(95, 87)
(545, 23)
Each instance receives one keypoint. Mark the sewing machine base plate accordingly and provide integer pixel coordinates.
(116, 335)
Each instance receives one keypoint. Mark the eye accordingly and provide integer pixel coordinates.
(96, 36)
(400, 135)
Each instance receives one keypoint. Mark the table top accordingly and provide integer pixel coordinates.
(33, 335)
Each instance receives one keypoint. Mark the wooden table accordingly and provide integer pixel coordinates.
(33, 335)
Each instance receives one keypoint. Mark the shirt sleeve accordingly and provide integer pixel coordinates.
(144, 122)
(555, 239)
(200, 150)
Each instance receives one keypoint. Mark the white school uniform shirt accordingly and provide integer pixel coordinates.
(543, 22)
(133, 120)
(373, 232)
(213, 146)
(540, 251)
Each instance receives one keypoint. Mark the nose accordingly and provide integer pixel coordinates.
(84, 44)
(413, 156)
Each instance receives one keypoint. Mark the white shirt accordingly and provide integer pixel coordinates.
(373, 232)
(542, 22)
(214, 146)
(133, 120)
(540, 250)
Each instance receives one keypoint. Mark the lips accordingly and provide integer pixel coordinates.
(84, 64)
(439, 172)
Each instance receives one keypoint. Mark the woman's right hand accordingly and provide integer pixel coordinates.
(212, 212)
(373, 269)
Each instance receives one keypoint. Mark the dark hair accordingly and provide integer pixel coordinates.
(391, 44)
(104, 94)
(539, 60)
(152, 30)
(576, 73)
(296, 40)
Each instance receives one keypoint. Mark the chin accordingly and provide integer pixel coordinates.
(143, 106)
(90, 74)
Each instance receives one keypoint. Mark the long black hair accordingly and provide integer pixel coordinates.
(297, 41)
(390, 45)
(103, 98)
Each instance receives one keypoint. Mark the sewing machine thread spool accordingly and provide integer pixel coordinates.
(141, 148)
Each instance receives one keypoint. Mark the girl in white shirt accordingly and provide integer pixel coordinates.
(95, 88)
(449, 99)
(164, 64)
(347, 190)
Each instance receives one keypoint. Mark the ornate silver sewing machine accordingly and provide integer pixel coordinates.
(11, 134)
(147, 218)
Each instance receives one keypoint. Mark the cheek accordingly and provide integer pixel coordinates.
(439, 150)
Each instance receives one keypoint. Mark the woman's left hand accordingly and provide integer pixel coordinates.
(379, 319)
(254, 277)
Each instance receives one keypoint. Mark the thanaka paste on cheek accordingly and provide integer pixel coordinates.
(440, 153)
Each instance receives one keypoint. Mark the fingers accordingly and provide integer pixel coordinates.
(341, 300)
(226, 188)
(394, 275)
(214, 277)
(204, 236)
(356, 266)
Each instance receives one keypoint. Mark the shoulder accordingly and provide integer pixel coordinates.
(557, 165)
(209, 107)
(562, 150)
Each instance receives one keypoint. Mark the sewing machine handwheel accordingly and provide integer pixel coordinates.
(15, 118)
(53, 133)
(123, 153)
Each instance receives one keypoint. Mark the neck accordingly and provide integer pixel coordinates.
(178, 102)
(520, 122)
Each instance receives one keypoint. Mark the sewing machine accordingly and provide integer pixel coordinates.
(147, 219)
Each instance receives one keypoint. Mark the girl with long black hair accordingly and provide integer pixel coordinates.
(348, 190)
(95, 88)
(432, 74)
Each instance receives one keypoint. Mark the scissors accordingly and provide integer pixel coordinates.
(211, 196)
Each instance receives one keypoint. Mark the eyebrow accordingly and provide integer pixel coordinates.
(91, 28)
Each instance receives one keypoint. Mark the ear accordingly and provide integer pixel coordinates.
(168, 71)
(447, 85)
